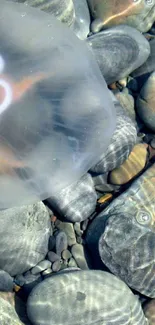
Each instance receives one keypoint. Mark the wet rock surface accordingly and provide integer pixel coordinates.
(76, 297)
(86, 256)
(24, 235)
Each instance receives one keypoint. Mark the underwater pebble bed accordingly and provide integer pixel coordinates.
(87, 254)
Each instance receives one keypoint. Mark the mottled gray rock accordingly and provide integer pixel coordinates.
(6, 281)
(80, 255)
(77, 202)
(119, 51)
(24, 235)
(84, 297)
(61, 242)
(68, 228)
(8, 315)
(124, 237)
(81, 24)
(41, 266)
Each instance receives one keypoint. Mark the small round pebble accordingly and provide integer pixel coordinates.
(79, 254)
(68, 228)
(41, 266)
(84, 298)
(53, 256)
(56, 266)
(61, 242)
(66, 255)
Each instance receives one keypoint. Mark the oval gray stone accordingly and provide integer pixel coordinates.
(61, 242)
(84, 298)
(119, 51)
(24, 235)
(41, 266)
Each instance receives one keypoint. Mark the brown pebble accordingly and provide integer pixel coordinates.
(17, 288)
(131, 167)
(105, 198)
(53, 219)
(149, 311)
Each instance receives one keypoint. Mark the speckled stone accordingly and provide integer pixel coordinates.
(119, 51)
(145, 103)
(41, 266)
(124, 236)
(53, 256)
(84, 297)
(61, 242)
(137, 13)
(24, 235)
(77, 202)
(8, 315)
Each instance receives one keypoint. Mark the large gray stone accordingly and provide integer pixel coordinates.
(24, 235)
(84, 298)
(8, 315)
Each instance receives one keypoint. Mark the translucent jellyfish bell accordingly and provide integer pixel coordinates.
(56, 114)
